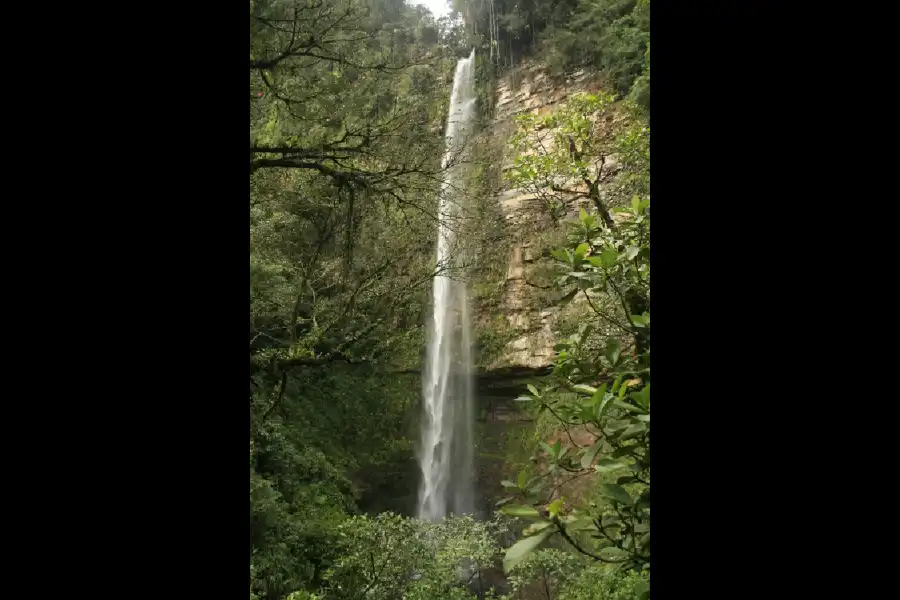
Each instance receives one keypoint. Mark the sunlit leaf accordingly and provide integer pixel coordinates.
(536, 527)
(585, 389)
(608, 258)
(581, 250)
(553, 507)
(520, 511)
(590, 454)
(607, 464)
(521, 549)
(522, 479)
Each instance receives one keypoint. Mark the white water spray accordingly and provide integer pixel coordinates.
(446, 455)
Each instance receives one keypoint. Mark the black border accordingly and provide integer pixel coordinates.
(737, 213)
(178, 491)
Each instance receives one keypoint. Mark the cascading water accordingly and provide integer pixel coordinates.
(446, 455)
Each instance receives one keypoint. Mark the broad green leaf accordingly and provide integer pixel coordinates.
(618, 426)
(642, 396)
(521, 549)
(608, 258)
(536, 527)
(560, 254)
(640, 320)
(645, 418)
(582, 214)
(582, 249)
(624, 451)
(630, 407)
(613, 351)
(616, 492)
(598, 395)
(590, 454)
(587, 412)
(604, 405)
(634, 431)
(520, 511)
(534, 391)
(636, 205)
(548, 448)
(554, 507)
(607, 464)
(508, 484)
(616, 384)
(522, 479)
(631, 252)
(585, 389)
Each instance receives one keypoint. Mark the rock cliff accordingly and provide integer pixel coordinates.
(529, 318)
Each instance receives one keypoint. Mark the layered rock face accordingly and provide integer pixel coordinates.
(527, 316)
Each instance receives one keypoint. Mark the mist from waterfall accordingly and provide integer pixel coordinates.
(447, 444)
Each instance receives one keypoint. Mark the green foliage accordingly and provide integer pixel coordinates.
(505, 30)
(347, 99)
(609, 36)
(640, 90)
(600, 583)
(390, 557)
(600, 382)
(557, 574)
(548, 572)
(560, 156)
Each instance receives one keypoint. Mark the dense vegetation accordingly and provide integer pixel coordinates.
(600, 384)
(608, 35)
(347, 106)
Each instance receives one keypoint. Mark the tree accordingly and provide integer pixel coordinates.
(391, 558)
(345, 151)
(600, 381)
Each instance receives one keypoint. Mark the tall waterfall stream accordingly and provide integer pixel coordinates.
(446, 453)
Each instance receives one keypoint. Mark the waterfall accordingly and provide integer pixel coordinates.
(446, 453)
